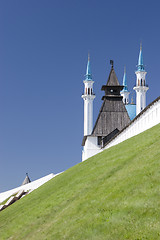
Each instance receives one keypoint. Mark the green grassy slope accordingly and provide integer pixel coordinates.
(113, 195)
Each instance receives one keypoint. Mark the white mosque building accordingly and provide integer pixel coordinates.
(118, 119)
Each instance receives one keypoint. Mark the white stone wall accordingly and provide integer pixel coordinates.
(144, 121)
(27, 187)
(91, 148)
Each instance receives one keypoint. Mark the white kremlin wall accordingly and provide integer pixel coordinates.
(27, 187)
(90, 148)
(148, 118)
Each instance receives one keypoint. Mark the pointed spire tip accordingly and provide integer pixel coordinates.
(141, 45)
(112, 63)
(88, 71)
(140, 60)
(88, 56)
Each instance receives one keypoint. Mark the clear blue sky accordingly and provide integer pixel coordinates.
(43, 55)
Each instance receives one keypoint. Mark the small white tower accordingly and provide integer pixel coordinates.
(125, 93)
(141, 88)
(88, 98)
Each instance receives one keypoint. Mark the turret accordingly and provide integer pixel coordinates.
(88, 97)
(141, 88)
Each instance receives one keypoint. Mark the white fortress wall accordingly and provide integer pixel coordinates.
(148, 118)
(91, 147)
(27, 187)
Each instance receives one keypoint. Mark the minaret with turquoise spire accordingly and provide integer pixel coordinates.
(141, 88)
(125, 93)
(88, 98)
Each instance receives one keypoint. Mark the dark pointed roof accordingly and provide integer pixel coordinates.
(113, 114)
(26, 180)
(112, 79)
(112, 88)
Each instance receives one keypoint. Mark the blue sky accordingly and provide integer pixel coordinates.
(43, 56)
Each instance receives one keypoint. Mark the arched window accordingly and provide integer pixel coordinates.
(141, 82)
(88, 91)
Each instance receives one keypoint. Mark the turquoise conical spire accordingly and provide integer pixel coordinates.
(88, 71)
(125, 88)
(125, 80)
(140, 66)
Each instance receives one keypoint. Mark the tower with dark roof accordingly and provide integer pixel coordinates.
(113, 116)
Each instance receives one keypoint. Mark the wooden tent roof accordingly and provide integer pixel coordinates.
(113, 114)
(112, 79)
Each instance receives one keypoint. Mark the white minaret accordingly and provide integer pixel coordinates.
(88, 98)
(125, 93)
(141, 87)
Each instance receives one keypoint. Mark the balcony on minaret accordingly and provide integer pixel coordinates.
(88, 91)
(141, 82)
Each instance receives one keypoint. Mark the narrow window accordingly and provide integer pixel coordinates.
(88, 91)
(141, 82)
(91, 91)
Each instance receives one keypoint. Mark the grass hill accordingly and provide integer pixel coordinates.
(113, 195)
